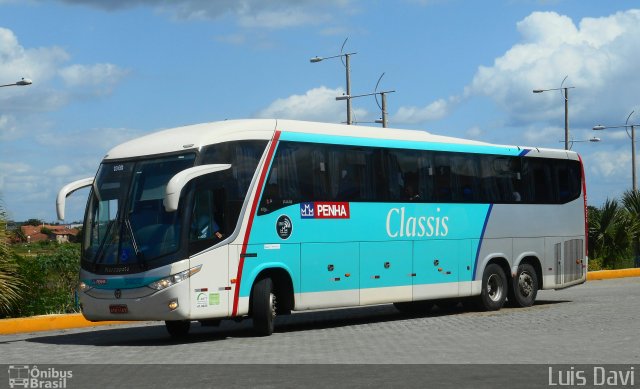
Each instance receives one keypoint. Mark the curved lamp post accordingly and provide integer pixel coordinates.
(566, 107)
(632, 136)
(348, 70)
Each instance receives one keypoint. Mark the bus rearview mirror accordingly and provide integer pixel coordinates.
(180, 180)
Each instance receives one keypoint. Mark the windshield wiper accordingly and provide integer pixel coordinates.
(139, 254)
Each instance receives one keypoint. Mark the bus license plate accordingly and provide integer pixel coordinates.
(119, 308)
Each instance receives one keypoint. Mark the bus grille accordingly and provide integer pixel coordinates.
(569, 266)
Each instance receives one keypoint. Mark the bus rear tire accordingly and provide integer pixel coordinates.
(178, 329)
(263, 307)
(494, 288)
(525, 287)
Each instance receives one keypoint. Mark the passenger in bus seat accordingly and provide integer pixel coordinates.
(206, 227)
(410, 187)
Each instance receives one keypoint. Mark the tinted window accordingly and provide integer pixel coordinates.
(304, 172)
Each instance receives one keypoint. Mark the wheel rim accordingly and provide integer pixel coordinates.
(494, 287)
(525, 284)
(272, 305)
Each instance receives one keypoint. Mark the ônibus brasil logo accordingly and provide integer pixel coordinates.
(25, 376)
(325, 210)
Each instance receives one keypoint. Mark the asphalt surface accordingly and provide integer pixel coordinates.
(595, 323)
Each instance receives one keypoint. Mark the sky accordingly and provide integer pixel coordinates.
(105, 72)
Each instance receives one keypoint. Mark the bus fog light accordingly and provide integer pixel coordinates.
(173, 305)
(83, 287)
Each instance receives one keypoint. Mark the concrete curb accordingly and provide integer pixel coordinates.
(76, 320)
(608, 274)
(48, 323)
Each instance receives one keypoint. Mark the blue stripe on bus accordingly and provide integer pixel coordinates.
(524, 152)
(399, 144)
(120, 282)
(484, 228)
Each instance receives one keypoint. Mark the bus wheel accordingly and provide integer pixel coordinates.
(178, 328)
(494, 288)
(263, 307)
(414, 307)
(525, 287)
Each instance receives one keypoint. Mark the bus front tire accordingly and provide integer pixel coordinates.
(494, 288)
(178, 328)
(263, 307)
(524, 287)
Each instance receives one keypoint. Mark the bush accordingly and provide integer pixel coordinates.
(50, 281)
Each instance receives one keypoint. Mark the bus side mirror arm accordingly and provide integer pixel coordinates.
(180, 180)
(67, 190)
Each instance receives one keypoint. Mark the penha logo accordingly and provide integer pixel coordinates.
(325, 210)
(307, 210)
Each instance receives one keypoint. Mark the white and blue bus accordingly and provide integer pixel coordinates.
(254, 218)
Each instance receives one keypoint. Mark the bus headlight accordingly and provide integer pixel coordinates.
(83, 287)
(174, 279)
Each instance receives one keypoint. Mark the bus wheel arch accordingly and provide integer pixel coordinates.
(282, 289)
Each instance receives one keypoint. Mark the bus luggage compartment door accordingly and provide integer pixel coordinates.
(329, 274)
(385, 272)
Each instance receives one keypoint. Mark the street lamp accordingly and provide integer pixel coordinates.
(572, 141)
(633, 145)
(566, 108)
(348, 70)
(383, 121)
(22, 82)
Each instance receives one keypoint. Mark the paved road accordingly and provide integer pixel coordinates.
(595, 323)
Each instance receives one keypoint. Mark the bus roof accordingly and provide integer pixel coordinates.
(194, 137)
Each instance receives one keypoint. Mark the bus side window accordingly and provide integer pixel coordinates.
(541, 182)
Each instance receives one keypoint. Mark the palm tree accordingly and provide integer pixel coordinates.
(10, 285)
(611, 232)
(631, 201)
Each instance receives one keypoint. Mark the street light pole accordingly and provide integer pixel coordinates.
(566, 118)
(347, 65)
(634, 183)
(384, 103)
(566, 108)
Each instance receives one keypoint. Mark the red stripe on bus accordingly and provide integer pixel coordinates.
(586, 213)
(252, 213)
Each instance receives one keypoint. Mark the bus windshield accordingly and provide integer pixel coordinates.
(126, 223)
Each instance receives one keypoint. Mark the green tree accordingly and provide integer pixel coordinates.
(10, 284)
(50, 279)
(611, 232)
(33, 222)
(631, 201)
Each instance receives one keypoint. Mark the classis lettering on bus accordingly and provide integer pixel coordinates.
(399, 224)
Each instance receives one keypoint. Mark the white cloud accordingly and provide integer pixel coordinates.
(318, 104)
(474, 132)
(249, 13)
(60, 171)
(600, 56)
(433, 111)
(46, 67)
(99, 77)
(609, 163)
